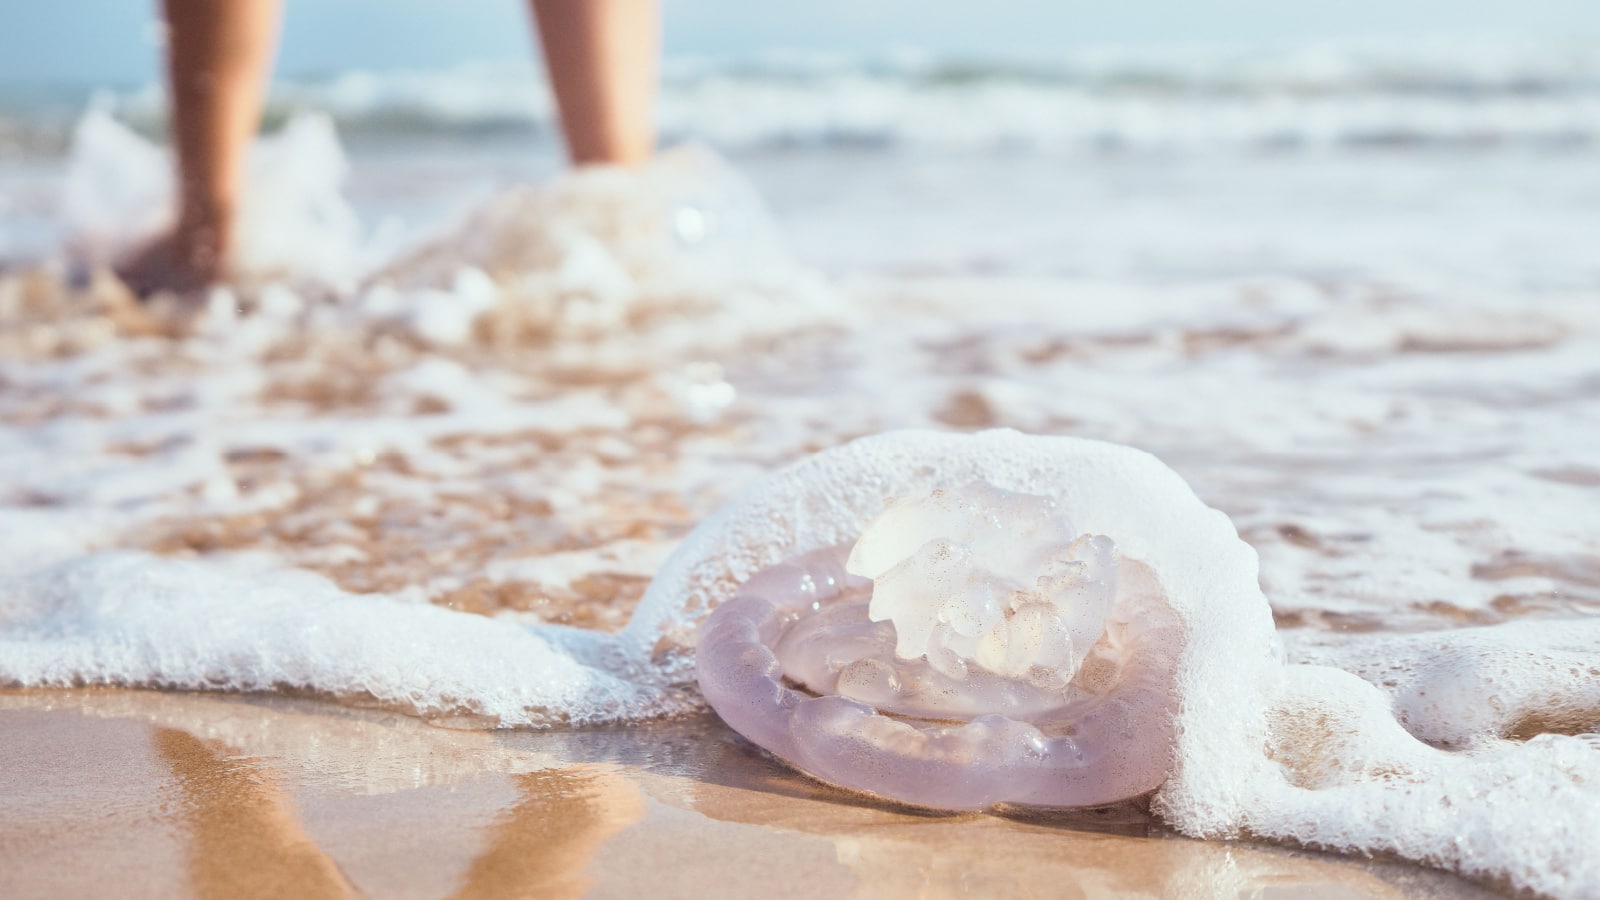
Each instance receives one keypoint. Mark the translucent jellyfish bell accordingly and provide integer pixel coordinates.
(969, 648)
(987, 576)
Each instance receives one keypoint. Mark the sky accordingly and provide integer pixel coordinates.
(116, 42)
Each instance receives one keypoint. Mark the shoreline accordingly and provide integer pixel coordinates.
(1375, 364)
(177, 794)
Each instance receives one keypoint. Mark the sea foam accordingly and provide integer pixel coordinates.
(295, 222)
(1290, 751)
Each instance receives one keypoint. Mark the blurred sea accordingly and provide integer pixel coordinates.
(1405, 93)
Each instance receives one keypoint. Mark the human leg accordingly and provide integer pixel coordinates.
(604, 59)
(218, 55)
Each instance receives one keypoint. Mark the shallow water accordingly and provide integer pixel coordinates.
(196, 795)
(1380, 363)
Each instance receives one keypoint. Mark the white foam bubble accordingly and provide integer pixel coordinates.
(681, 253)
(132, 619)
(293, 222)
(1472, 687)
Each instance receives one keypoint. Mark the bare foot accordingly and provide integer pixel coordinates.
(183, 261)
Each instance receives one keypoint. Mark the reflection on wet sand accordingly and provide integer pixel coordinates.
(681, 808)
(1113, 852)
(541, 846)
(244, 838)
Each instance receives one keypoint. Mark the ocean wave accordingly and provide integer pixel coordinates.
(1399, 95)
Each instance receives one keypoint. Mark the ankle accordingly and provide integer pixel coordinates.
(206, 241)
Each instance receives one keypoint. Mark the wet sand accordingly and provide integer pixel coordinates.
(146, 794)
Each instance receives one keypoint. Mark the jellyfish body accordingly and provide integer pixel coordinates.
(970, 648)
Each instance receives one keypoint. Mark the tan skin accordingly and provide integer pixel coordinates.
(603, 57)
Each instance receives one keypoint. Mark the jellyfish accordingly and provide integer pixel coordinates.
(973, 646)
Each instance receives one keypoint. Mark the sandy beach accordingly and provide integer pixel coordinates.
(143, 794)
